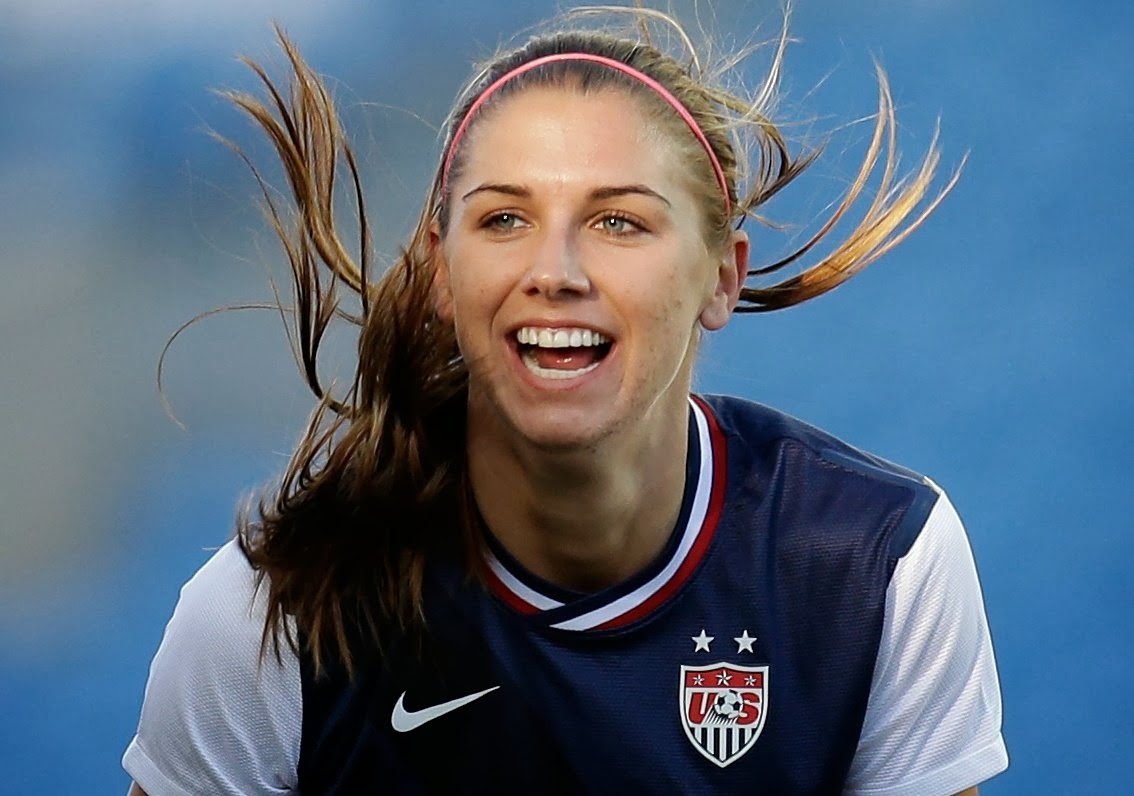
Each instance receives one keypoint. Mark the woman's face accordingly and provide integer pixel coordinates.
(575, 270)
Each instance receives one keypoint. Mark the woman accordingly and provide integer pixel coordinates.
(519, 556)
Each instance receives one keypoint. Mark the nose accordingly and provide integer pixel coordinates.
(557, 270)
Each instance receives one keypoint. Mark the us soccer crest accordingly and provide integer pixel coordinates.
(723, 707)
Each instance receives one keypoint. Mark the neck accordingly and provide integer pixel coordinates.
(586, 518)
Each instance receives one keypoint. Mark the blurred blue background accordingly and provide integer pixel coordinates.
(993, 350)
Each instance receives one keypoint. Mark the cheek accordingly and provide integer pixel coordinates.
(473, 301)
(681, 317)
(673, 324)
(688, 295)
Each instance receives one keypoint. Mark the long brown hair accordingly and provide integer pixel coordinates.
(377, 483)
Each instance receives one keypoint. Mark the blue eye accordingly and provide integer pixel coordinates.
(502, 221)
(618, 225)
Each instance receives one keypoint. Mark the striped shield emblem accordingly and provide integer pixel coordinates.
(723, 707)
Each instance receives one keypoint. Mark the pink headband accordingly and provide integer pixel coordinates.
(657, 87)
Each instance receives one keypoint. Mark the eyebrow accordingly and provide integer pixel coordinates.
(607, 192)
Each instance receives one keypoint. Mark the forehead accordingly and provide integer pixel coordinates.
(563, 135)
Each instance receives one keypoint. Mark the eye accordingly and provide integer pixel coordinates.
(618, 225)
(502, 222)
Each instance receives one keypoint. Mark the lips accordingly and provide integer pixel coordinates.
(560, 353)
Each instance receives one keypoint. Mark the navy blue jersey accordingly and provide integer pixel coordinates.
(814, 625)
(741, 661)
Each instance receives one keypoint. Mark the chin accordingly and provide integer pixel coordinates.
(564, 433)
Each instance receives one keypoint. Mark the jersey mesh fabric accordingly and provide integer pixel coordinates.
(933, 721)
(215, 719)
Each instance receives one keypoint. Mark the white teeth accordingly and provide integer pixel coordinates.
(529, 361)
(559, 338)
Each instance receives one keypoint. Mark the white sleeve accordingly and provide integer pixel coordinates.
(933, 720)
(217, 718)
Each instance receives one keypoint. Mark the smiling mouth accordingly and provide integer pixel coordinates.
(562, 353)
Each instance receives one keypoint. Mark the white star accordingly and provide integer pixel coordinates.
(743, 642)
(750, 680)
(702, 641)
(724, 678)
(698, 679)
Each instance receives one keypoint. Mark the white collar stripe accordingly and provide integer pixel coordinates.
(519, 588)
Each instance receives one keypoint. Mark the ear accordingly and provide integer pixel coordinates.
(732, 270)
(442, 293)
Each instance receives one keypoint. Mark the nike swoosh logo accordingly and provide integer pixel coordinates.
(403, 720)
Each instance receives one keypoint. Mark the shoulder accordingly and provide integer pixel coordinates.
(216, 711)
(761, 426)
(775, 450)
(224, 587)
(219, 618)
